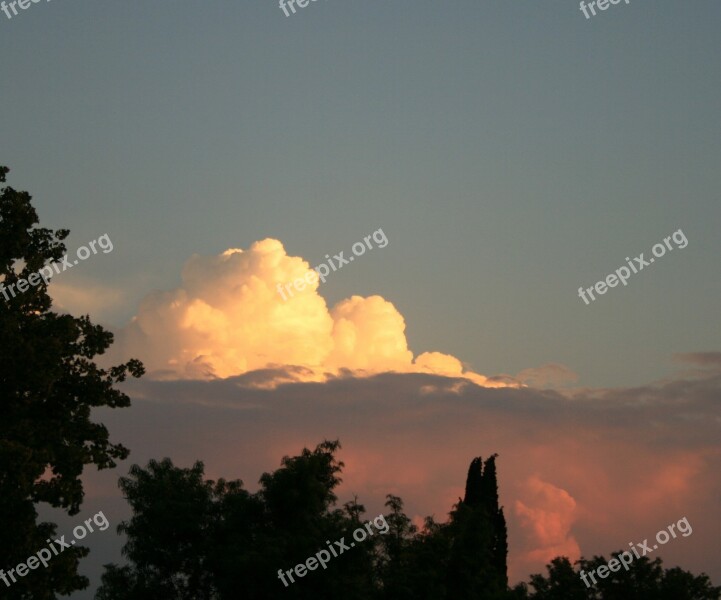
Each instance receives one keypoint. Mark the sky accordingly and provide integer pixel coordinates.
(510, 153)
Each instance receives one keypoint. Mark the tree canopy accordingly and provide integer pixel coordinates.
(189, 537)
(50, 385)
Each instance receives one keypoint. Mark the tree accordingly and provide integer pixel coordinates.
(464, 558)
(191, 538)
(645, 579)
(50, 385)
(397, 564)
(563, 582)
(477, 566)
(194, 538)
(174, 512)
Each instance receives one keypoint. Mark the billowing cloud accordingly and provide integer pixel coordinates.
(242, 377)
(579, 472)
(545, 514)
(228, 318)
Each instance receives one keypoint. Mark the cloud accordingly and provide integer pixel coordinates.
(549, 375)
(703, 359)
(227, 318)
(701, 364)
(580, 472)
(241, 377)
(88, 298)
(546, 515)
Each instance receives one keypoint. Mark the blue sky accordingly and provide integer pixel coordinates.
(510, 151)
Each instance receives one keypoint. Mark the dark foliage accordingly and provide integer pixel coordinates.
(191, 538)
(49, 386)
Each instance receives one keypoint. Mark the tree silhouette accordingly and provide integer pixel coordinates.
(192, 538)
(50, 384)
(644, 580)
(478, 559)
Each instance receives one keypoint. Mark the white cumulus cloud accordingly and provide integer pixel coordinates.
(227, 318)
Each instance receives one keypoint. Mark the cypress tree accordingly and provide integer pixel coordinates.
(474, 483)
(478, 565)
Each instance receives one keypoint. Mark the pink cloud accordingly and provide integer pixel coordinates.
(585, 472)
(546, 515)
